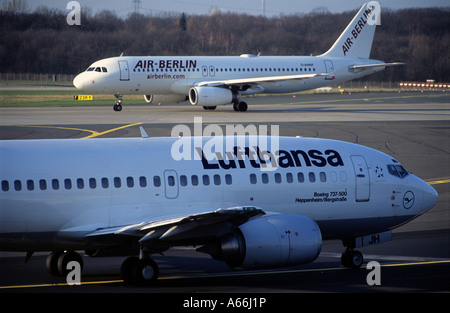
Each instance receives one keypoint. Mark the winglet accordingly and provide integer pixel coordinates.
(143, 133)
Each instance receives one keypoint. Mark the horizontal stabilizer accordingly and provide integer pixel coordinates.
(356, 67)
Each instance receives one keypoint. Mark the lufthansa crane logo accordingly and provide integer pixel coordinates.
(408, 200)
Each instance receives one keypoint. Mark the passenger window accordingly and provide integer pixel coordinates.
(228, 179)
(277, 178)
(30, 185)
(216, 180)
(143, 181)
(205, 180)
(265, 178)
(5, 185)
(156, 181)
(117, 182)
(300, 177)
(333, 176)
(312, 177)
(55, 184)
(171, 180)
(80, 183)
(67, 183)
(105, 182)
(130, 182)
(194, 180)
(289, 178)
(43, 184)
(253, 179)
(17, 185)
(323, 177)
(92, 183)
(183, 180)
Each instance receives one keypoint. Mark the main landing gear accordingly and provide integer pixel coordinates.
(237, 106)
(240, 106)
(57, 262)
(139, 271)
(135, 270)
(118, 106)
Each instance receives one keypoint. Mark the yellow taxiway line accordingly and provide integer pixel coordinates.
(437, 182)
(93, 132)
(249, 273)
(96, 134)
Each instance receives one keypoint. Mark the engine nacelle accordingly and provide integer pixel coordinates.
(148, 98)
(212, 96)
(164, 98)
(270, 241)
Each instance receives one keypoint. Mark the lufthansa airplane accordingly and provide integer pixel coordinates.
(250, 201)
(213, 81)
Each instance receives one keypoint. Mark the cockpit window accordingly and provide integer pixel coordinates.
(97, 69)
(397, 170)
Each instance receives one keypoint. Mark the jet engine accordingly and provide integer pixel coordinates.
(269, 241)
(212, 96)
(164, 98)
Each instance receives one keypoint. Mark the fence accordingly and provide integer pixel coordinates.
(367, 85)
(54, 78)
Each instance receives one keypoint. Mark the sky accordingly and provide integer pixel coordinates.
(254, 7)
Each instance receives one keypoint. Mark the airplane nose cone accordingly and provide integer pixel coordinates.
(430, 196)
(78, 81)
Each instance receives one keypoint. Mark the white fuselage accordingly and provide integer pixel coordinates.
(176, 75)
(54, 192)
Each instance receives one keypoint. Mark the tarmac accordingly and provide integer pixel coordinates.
(413, 127)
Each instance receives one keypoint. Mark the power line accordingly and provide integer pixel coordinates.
(137, 4)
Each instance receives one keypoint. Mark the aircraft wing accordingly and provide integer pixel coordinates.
(258, 80)
(183, 227)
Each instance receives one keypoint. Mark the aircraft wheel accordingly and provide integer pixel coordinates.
(352, 259)
(145, 272)
(139, 271)
(127, 269)
(117, 107)
(65, 258)
(57, 262)
(242, 106)
(52, 263)
(209, 107)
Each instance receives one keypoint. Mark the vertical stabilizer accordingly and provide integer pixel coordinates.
(356, 40)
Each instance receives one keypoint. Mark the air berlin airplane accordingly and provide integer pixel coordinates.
(213, 81)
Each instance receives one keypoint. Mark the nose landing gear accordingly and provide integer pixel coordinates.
(351, 258)
(118, 106)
